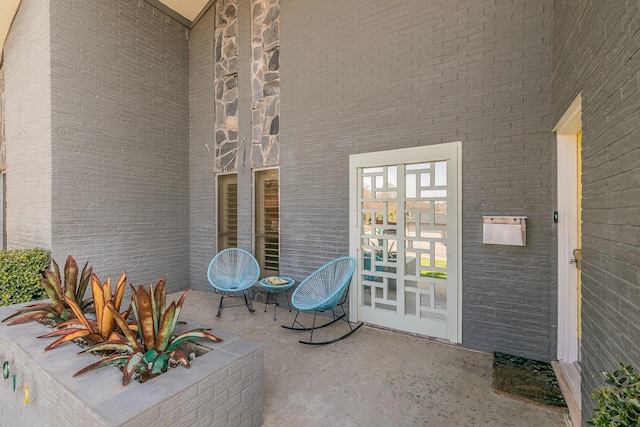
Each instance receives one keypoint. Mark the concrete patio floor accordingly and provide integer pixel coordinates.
(372, 378)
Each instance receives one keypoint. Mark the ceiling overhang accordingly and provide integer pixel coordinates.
(188, 12)
(8, 9)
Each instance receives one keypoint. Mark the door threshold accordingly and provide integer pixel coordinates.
(569, 381)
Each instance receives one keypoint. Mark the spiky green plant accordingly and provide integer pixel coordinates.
(149, 350)
(94, 331)
(59, 293)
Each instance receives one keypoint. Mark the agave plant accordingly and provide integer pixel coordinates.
(60, 294)
(103, 327)
(148, 351)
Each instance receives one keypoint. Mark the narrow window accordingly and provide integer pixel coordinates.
(267, 222)
(227, 211)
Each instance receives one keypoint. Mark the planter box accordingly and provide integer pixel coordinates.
(223, 387)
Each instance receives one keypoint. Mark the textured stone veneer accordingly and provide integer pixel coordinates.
(223, 387)
(265, 82)
(226, 85)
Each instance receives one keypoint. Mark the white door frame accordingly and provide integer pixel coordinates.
(451, 151)
(567, 131)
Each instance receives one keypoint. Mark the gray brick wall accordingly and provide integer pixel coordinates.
(356, 78)
(120, 129)
(28, 127)
(367, 76)
(201, 135)
(595, 53)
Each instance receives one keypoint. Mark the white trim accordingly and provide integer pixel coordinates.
(567, 130)
(456, 159)
(571, 121)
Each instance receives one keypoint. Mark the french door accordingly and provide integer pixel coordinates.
(405, 236)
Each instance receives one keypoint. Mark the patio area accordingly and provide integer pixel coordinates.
(372, 378)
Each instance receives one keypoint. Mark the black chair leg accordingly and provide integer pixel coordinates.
(220, 305)
(293, 325)
(248, 303)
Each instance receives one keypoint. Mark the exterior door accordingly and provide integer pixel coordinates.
(569, 140)
(405, 238)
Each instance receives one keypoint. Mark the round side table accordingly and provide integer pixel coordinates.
(275, 289)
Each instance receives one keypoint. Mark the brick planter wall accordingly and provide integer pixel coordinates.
(223, 387)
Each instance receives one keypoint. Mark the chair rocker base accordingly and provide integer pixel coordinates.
(342, 317)
(247, 302)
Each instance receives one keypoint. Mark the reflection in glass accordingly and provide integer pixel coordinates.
(441, 174)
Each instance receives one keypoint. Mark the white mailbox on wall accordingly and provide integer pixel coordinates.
(504, 230)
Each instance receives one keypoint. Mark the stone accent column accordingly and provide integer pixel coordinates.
(265, 82)
(226, 86)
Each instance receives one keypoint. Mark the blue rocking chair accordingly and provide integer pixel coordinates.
(232, 271)
(324, 290)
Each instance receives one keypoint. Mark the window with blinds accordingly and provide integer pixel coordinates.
(267, 221)
(227, 211)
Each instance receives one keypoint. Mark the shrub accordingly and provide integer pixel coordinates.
(618, 403)
(20, 274)
(60, 293)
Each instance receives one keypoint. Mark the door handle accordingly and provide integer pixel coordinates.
(577, 258)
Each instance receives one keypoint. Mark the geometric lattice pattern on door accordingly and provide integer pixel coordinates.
(403, 243)
(425, 286)
(379, 243)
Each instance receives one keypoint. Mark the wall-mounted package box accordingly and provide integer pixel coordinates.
(504, 230)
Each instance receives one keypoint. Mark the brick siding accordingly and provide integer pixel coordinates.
(202, 144)
(370, 76)
(595, 53)
(120, 181)
(356, 77)
(28, 128)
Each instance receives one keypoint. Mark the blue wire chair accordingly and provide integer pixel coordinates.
(232, 271)
(324, 290)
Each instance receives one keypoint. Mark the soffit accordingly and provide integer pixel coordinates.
(8, 9)
(185, 11)
(190, 9)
